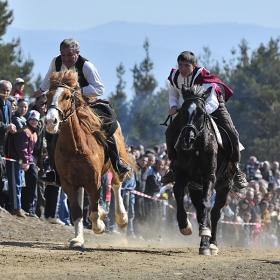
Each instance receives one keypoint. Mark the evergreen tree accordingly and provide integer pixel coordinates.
(13, 64)
(255, 107)
(143, 120)
(119, 102)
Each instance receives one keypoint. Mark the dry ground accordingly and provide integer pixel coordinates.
(35, 249)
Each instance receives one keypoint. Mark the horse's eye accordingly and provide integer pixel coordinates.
(67, 97)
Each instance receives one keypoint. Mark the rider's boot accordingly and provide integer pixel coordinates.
(239, 179)
(117, 162)
(51, 178)
(169, 177)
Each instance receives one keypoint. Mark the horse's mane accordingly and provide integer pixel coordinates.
(89, 121)
(195, 90)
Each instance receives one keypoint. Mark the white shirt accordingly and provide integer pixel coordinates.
(95, 86)
(212, 102)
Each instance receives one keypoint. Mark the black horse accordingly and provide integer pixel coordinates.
(203, 165)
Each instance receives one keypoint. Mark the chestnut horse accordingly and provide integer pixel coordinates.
(203, 166)
(80, 152)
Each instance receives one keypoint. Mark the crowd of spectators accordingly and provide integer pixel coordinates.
(252, 221)
(23, 158)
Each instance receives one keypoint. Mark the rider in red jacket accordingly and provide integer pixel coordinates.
(190, 74)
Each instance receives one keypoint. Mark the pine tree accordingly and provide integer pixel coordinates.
(13, 64)
(119, 102)
(143, 119)
(255, 106)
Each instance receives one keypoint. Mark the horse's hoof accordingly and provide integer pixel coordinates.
(102, 214)
(122, 220)
(76, 243)
(205, 232)
(100, 231)
(214, 250)
(98, 227)
(205, 251)
(188, 229)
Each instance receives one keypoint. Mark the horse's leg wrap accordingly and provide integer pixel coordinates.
(78, 241)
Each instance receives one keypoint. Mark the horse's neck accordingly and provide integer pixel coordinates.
(71, 131)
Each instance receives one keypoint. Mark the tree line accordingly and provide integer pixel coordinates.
(254, 77)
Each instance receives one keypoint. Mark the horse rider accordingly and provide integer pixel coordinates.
(91, 87)
(189, 74)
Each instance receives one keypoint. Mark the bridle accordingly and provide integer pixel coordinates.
(71, 111)
(197, 132)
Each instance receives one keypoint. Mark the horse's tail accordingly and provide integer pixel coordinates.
(132, 162)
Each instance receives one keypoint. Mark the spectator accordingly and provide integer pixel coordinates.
(18, 118)
(257, 230)
(275, 167)
(129, 201)
(34, 191)
(276, 178)
(153, 209)
(13, 102)
(151, 160)
(18, 88)
(5, 113)
(20, 147)
(265, 215)
(139, 209)
(249, 170)
(64, 210)
(6, 126)
(257, 200)
(266, 171)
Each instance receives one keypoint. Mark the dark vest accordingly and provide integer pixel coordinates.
(79, 68)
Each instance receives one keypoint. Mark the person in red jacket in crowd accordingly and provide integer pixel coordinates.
(18, 88)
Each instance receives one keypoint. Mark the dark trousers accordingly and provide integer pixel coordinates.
(221, 117)
(51, 196)
(30, 192)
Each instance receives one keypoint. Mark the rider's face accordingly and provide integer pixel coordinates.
(69, 56)
(185, 68)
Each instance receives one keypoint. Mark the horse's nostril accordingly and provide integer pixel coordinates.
(55, 121)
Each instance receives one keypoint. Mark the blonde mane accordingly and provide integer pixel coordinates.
(89, 121)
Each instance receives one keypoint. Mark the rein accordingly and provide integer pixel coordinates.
(71, 111)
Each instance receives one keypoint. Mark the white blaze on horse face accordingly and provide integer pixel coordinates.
(191, 109)
(52, 116)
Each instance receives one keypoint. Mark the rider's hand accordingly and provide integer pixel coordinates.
(173, 110)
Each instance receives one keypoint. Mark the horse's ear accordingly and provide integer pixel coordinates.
(207, 93)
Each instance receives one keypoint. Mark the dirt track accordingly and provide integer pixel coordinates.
(35, 249)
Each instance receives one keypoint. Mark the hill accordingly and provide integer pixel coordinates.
(110, 44)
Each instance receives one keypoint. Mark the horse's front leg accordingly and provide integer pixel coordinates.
(120, 212)
(185, 225)
(220, 201)
(76, 204)
(97, 213)
(205, 224)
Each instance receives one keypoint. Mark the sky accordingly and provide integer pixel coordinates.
(83, 14)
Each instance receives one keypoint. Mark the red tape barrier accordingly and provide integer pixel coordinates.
(190, 213)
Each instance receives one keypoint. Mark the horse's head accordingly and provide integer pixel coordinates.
(192, 114)
(61, 99)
